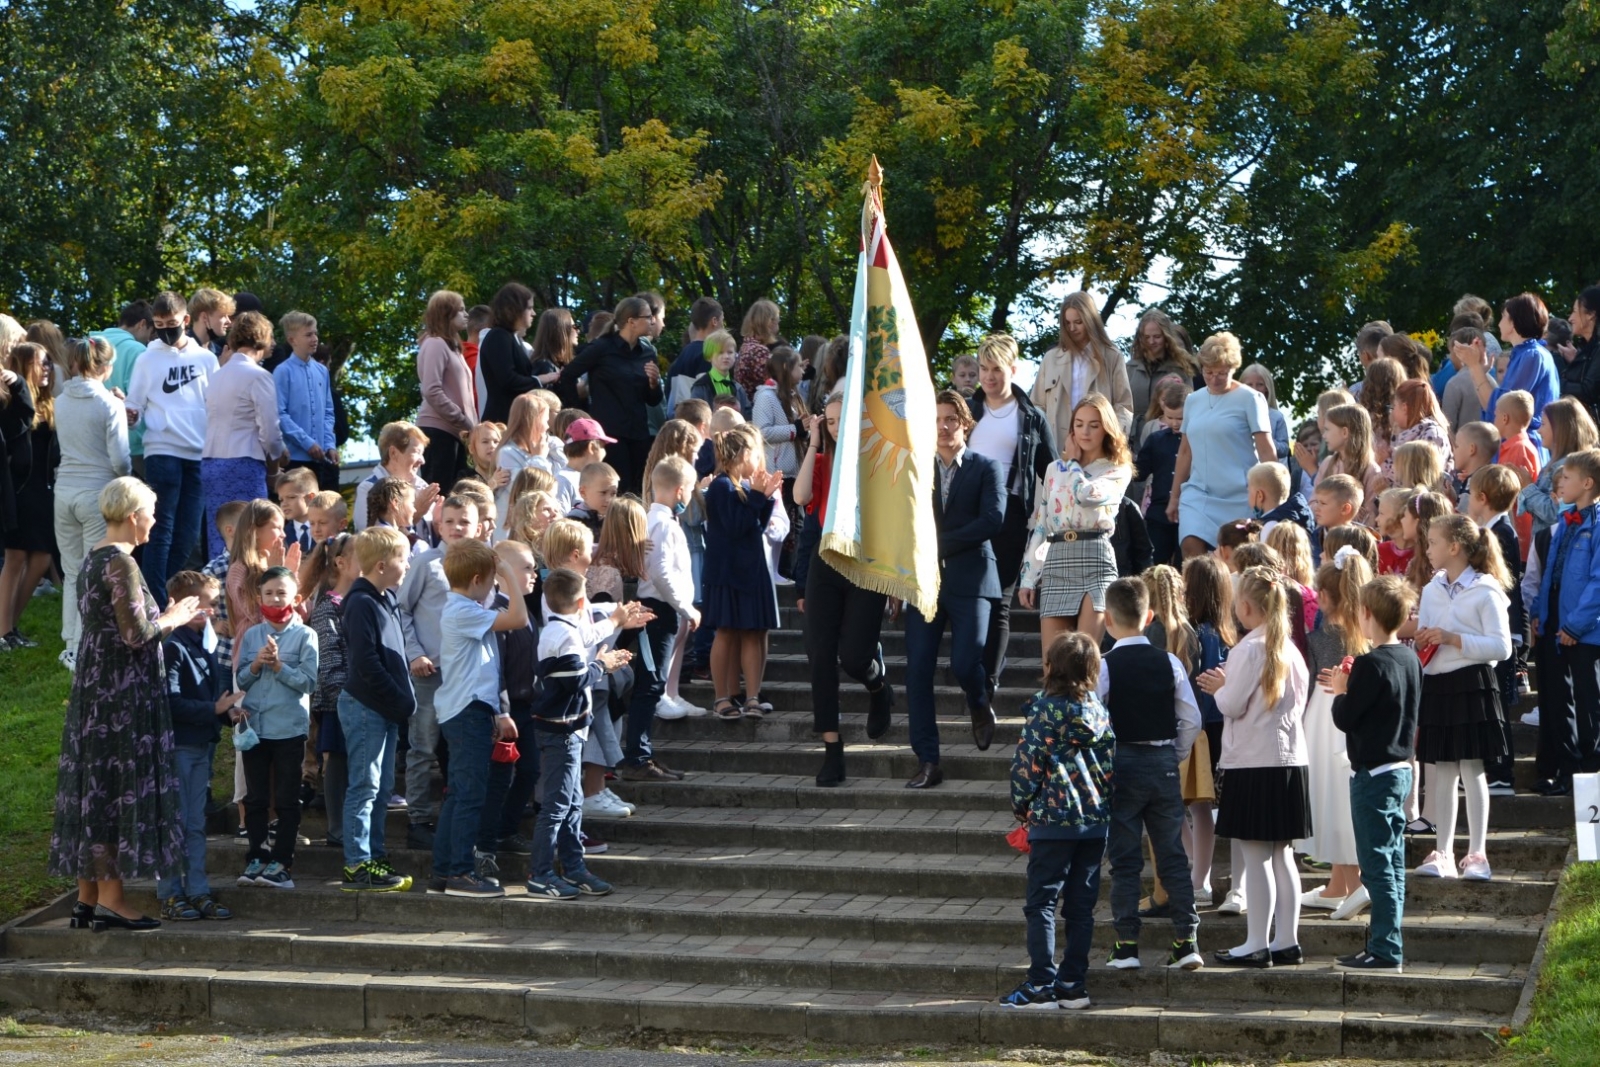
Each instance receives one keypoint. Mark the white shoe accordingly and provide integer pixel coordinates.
(1353, 905)
(1233, 903)
(68, 658)
(666, 709)
(782, 581)
(1203, 898)
(692, 711)
(1475, 867)
(1315, 898)
(604, 807)
(1531, 718)
(1437, 865)
(618, 801)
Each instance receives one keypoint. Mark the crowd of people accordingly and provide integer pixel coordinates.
(575, 528)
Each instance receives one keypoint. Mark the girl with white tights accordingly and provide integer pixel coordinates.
(1266, 804)
(1464, 618)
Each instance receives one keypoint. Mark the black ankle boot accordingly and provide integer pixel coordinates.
(832, 772)
(878, 712)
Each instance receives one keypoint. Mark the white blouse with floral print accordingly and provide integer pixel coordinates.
(1075, 497)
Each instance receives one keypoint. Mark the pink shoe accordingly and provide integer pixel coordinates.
(1437, 865)
(1475, 867)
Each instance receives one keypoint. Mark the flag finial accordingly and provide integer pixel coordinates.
(874, 174)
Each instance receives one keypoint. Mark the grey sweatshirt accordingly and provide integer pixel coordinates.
(92, 432)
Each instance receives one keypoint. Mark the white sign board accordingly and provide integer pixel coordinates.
(1586, 810)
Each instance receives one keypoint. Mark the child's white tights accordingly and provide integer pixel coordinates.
(675, 672)
(1200, 841)
(1442, 789)
(1272, 890)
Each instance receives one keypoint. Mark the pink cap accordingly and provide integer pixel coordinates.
(588, 430)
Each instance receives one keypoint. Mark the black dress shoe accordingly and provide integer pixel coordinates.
(927, 778)
(1288, 957)
(1257, 960)
(82, 916)
(106, 919)
(983, 724)
(1554, 787)
(878, 717)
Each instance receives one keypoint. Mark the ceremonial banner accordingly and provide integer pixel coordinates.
(880, 532)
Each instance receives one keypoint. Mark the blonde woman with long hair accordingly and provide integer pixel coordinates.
(1083, 361)
(1069, 564)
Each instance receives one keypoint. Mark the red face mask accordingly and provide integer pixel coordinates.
(276, 616)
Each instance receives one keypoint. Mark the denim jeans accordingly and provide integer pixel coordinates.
(1377, 814)
(661, 635)
(422, 757)
(1067, 871)
(194, 782)
(968, 619)
(272, 780)
(1148, 799)
(511, 785)
(369, 742)
(470, 734)
(179, 506)
(555, 835)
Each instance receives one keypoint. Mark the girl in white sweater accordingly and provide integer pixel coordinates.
(1266, 805)
(1463, 629)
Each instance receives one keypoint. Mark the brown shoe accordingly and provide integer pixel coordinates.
(668, 771)
(649, 772)
(927, 778)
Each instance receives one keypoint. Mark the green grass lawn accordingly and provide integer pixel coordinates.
(1566, 1010)
(33, 699)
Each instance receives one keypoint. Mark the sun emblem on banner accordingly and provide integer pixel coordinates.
(885, 442)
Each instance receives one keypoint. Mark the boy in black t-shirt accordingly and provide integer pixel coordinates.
(1376, 702)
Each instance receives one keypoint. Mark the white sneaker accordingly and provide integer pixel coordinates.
(68, 658)
(781, 581)
(1353, 905)
(1233, 903)
(1202, 898)
(1531, 718)
(666, 709)
(602, 806)
(1475, 867)
(618, 801)
(1315, 898)
(1437, 865)
(692, 711)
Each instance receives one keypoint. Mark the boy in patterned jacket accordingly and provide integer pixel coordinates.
(1061, 790)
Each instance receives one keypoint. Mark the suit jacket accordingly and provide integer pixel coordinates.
(973, 514)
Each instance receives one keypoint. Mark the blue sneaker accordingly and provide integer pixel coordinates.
(588, 884)
(276, 876)
(1028, 995)
(252, 873)
(553, 889)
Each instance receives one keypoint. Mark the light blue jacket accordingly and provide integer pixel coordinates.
(279, 702)
(305, 406)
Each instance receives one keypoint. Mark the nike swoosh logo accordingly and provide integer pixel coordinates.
(171, 386)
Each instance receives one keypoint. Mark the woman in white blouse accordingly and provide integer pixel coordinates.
(1068, 564)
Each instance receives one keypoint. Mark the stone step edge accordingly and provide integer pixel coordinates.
(351, 1002)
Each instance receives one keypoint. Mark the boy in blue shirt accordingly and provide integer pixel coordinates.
(305, 401)
(278, 673)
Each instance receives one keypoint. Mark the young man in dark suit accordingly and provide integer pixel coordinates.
(969, 507)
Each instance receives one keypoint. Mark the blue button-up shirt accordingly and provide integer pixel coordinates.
(305, 406)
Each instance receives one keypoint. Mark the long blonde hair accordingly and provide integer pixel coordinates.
(1339, 583)
(1172, 349)
(1294, 548)
(677, 437)
(1100, 349)
(520, 522)
(622, 537)
(1482, 547)
(1165, 586)
(1262, 587)
(1115, 445)
(1355, 458)
(521, 421)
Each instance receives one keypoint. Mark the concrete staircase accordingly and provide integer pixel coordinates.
(751, 903)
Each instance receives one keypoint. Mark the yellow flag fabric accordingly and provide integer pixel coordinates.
(880, 530)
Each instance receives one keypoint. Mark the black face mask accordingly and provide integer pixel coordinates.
(169, 334)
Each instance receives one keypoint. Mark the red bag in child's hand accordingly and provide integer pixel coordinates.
(1425, 654)
(504, 752)
(1018, 839)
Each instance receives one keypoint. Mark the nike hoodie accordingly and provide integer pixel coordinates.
(168, 390)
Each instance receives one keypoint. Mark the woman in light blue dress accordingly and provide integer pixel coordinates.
(1226, 431)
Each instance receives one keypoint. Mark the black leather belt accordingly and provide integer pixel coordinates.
(1076, 535)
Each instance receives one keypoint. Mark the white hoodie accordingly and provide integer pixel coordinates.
(168, 390)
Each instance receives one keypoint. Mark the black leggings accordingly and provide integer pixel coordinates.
(272, 776)
(443, 458)
(842, 625)
(1009, 545)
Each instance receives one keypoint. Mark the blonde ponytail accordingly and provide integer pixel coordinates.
(1264, 588)
(1482, 547)
(1339, 583)
(1166, 600)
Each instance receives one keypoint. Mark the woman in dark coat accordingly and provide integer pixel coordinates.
(624, 382)
(503, 360)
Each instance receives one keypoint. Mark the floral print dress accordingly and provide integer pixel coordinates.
(117, 787)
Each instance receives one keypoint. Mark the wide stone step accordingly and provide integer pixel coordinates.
(746, 913)
(832, 963)
(795, 695)
(1023, 645)
(900, 873)
(791, 618)
(795, 666)
(346, 1000)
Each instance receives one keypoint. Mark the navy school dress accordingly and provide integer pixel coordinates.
(736, 583)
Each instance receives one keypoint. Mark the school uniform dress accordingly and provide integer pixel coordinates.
(1329, 769)
(1265, 785)
(1069, 554)
(737, 584)
(1461, 716)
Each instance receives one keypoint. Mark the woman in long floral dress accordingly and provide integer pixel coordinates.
(117, 788)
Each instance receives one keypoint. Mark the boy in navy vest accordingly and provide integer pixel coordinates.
(1155, 719)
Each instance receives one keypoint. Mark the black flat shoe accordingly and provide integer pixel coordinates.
(82, 916)
(1257, 960)
(1288, 957)
(106, 919)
